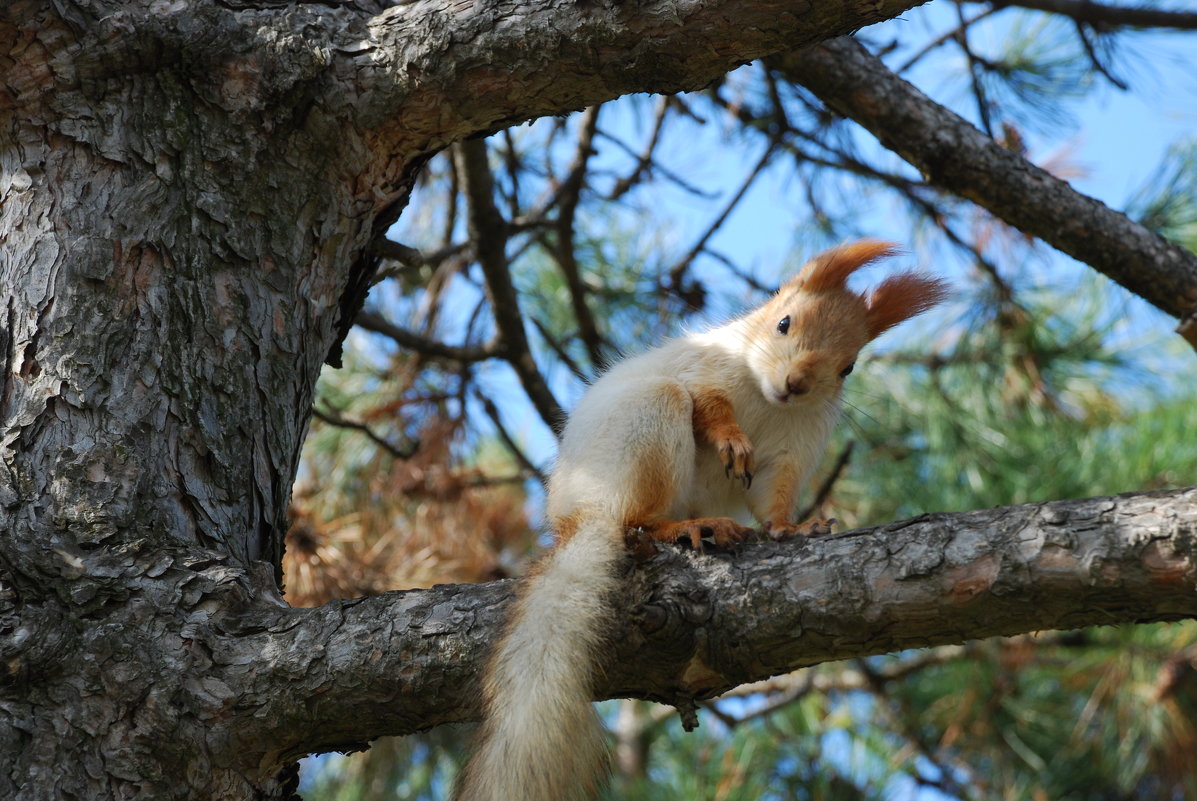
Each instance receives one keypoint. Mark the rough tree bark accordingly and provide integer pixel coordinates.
(190, 194)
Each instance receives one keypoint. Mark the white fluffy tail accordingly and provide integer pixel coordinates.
(540, 739)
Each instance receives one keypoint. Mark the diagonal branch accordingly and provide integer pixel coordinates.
(677, 271)
(956, 157)
(564, 247)
(488, 230)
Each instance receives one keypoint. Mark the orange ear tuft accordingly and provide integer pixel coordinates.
(901, 297)
(829, 270)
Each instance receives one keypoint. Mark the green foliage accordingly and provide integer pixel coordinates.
(796, 754)
(1168, 202)
(1062, 717)
(1039, 63)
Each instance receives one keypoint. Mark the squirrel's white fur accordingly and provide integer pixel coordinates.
(727, 423)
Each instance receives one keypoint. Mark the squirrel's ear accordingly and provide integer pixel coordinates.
(901, 297)
(830, 269)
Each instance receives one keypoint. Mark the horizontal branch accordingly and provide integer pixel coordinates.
(692, 625)
(956, 157)
(435, 71)
(430, 348)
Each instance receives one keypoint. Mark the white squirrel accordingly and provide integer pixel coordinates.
(674, 442)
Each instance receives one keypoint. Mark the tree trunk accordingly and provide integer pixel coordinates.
(190, 193)
(182, 226)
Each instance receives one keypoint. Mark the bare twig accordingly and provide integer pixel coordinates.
(450, 223)
(739, 272)
(396, 251)
(334, 418)
(949, 36)
(424, 346)
(644, 162)
(563, 252)
(975, 71)
(824, 491)
(678, 270)
(657, 167)
(1091, 51)
(511, 161)
(899, 714)
(492, 412)
(785, 690)
(560, 350)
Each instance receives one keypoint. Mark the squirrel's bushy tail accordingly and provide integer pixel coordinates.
(540, 739)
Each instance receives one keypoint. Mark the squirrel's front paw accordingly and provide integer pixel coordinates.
(814, 527)
(735, 450)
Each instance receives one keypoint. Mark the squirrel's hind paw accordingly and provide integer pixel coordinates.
(815, 527)
(722, 531)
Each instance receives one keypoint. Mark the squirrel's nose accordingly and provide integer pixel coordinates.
(797, 384)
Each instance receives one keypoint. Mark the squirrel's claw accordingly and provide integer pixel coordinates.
(735, 451)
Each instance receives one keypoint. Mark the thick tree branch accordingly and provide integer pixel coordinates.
(694, 625)
(434, 72)
(956, 157)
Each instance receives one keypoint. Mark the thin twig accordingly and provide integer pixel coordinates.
(1091, 52)
(661, 169)
(563, 252)
(334, 418)
(560, 350)
(975, 72)
(492, 412)
(645, 161)
(946, 37)
(679, 269)
(424, 346)
(488, 230)
(825, 488)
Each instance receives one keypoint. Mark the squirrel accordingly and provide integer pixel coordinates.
(676, 442)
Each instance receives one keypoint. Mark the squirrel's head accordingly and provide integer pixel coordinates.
(805, 340)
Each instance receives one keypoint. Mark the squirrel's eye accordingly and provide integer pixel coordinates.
(844, 373)
(783, 325)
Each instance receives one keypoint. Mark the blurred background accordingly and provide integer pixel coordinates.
(626, 223)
